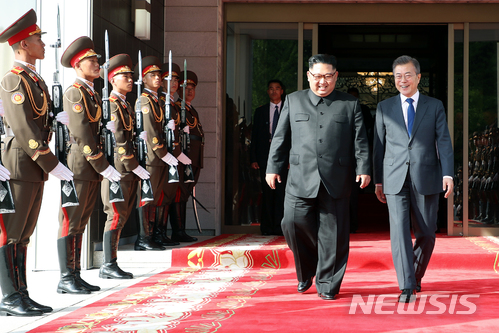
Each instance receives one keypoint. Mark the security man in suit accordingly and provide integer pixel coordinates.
(120, 75)
(322, 134)
(413, 164)
(195, 154)
(264, 125)
(86, 159)
(158, 158)
(26, 103)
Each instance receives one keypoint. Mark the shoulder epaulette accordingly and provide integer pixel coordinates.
(17, 70)
(145, 94)
(76, 85)
(113, 98)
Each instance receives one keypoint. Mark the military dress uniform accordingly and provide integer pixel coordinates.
(125, 161)
(153, 119)
(195, 153)
(87, 161)
(27, 156)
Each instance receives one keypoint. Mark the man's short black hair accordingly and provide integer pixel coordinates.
(322, 59)
(404, 60)
(276, 81)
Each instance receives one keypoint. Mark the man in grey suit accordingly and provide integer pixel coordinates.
(413, 163)
(321, 132)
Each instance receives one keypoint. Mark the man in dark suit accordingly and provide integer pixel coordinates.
(264, 125)
(321, 132)
(413, 163)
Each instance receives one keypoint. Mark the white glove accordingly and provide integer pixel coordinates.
(141, 172)
(110, 126)
(186, 129)
(62, 117)
(171, 124)
(4, 173)
(2, 112)
(61, 172)
(143, 135)
(112, 174)
(170, 159)
(184, 159)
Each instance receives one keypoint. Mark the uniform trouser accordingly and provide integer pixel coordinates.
(317, 231)
(406, 207)
(272, 203)
(74, 219)
(17, 228)
(118, 212)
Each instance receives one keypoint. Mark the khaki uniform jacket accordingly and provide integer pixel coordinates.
(86, 158)
(153, 116)
(196, 151)
(27, 103)
(125, 159)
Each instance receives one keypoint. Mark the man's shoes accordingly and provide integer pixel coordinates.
(304, 286)
(327, 296)
(418, 286)
(407, 296)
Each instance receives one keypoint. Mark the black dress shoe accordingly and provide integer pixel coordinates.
(407, 296)
(327, 296)
(35, 305)
(14, 305)
(304, 286)
(147, 244)
(418, 286)
(113, 271)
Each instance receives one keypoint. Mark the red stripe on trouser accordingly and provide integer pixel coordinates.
(65, 223)
(161, 198)
(3, 232)
(177, 196)
(116, 218)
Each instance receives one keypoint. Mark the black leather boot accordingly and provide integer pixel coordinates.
(23, 286)
(68, 282)
(159, 231)
(177, 221)
(110, 268)
(144, 239)
(78, 240)
(13, 303)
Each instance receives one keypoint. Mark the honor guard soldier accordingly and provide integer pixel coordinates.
(158, 157)
(125, 160)
(85, 159)
(26, 103)
(195, 153)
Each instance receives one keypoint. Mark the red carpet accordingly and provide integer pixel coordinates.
(247, 283)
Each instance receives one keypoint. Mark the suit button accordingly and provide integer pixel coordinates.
(320, 140)
(322, 113)
(320, 126)
(410, 148)
(407, 163)
(320, 156)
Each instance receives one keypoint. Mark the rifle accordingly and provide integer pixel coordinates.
(69, 197)
(185, 140)
(115, 191)
(145, 184)
(173, 176)
(6, 200)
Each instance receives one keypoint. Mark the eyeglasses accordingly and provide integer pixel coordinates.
(406, 76)
(327, 77)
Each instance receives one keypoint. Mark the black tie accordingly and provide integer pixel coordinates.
(275, 119)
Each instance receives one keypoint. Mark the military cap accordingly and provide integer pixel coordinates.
(192, 78)
(165, 68)
(149, 64)
(81, 48)
(21, 29)
(119, 64)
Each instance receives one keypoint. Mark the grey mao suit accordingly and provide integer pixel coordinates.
(325, 142)
(411, 170)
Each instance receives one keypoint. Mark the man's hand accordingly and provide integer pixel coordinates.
(448, 186)
(380, 194)
(366, 179)
(255, 165)
(271, 178)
